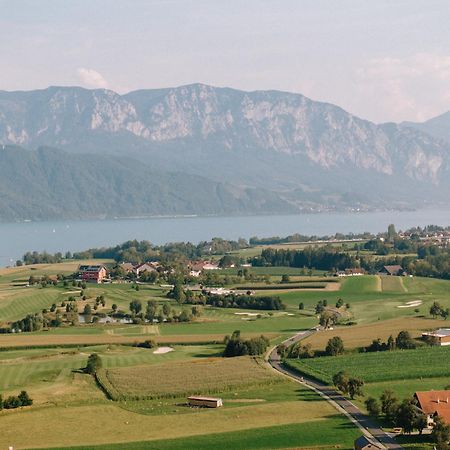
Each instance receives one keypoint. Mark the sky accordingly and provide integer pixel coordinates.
(383, 60)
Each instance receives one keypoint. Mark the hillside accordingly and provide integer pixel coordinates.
(312, 155)
(49, 183)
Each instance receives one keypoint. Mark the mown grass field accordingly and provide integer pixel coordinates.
(332, 433)
(279, 405)
(202, 376)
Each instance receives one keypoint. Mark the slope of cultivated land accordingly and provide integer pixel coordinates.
(32, 369)
(363, 335)
(190, 377)
(424, 362)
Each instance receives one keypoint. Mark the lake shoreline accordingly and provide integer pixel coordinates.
(77, 235)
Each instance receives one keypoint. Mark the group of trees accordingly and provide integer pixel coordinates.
(162, 314)
(41, 258)
(436, 309)
(271, 303)
(296, 237)
(403, 341)
(43, 281)
(347, 384)
(322, 258)
(236, 346)
(32, 322)
(140, 251)
(16, 401)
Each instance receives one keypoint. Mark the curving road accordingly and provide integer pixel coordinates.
(343, 405)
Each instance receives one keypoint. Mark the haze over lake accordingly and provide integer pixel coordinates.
(18, 238)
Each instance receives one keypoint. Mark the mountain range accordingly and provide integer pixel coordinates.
(198, 149)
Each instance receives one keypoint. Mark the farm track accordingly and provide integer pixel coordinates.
(338, 401)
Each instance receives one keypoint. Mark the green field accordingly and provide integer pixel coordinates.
(424, 362)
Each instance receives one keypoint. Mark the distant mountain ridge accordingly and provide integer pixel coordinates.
(438, 127)
(307, 154)
(50, 184)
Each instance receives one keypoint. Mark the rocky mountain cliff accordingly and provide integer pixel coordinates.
(311, 153)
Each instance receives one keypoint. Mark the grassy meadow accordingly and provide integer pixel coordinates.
(207, 375)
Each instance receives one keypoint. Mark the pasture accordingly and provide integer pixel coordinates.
(332, 433)
(283, 404)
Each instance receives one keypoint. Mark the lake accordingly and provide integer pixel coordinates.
(18, 238)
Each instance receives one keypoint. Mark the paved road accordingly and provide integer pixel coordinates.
(331, 395)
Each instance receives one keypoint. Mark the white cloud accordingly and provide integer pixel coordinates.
(415, 88)
(91, 78)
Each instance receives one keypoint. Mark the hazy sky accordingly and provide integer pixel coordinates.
(380, 59)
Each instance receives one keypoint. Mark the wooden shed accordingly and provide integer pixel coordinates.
(206, 402)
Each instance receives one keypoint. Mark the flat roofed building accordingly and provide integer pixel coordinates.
(442, 336)
(207, 402)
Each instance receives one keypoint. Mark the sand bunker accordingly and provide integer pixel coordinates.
(412, 304)
(246, 314)
(162, 350)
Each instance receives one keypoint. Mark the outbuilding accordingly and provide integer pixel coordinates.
(205, 402)
(393, 271)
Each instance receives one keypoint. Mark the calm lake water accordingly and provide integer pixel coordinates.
(18, 238)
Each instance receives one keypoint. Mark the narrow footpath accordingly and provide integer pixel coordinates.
(366, 425)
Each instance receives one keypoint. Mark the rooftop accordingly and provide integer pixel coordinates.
(435, 402)
(442, 332)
